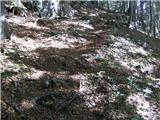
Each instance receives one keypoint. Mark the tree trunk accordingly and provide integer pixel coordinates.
(108, 5)
(132, 13)
(154, 19)
(5, 31)
(142, 16)
(123, 6)
(151, 18)
(129, 12)
(64, 8)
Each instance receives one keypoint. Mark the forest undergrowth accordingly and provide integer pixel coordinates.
(90, 66)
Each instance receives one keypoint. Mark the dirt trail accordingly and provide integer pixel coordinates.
(46, 63)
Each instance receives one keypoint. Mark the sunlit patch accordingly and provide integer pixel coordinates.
(90, 103)
(147, 68)
(22, 21)
(56, 44)
(133, 64)
(144, 107)
(93, 100)
(138, 50)
(147, 91)
(16, 19)
(36, 74)
(26, 104)
(85, 88)
(34, 25)
(63, 41)
(92, 14)
(28, 44)
(71, 39)
(99, 54)
(89, 85)
(155, 82)
(126, 53)
(81, 78)
(84, 12)
(82, 24)
(128, 45)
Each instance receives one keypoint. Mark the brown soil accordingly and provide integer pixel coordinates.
(43, 87)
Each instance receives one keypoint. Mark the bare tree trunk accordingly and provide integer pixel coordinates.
(142, 16)
(151, 18)
(132, 13)
(108, 5)
(5, 31)
(64, 8)
(123, 6)
(154, 19)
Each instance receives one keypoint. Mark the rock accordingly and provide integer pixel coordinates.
(5, 30)
(137, 66)
(46, 84)
(98, 58)
(53, 83)
(86, 18)
(48, 101)
(41, 22)
(145, 46)
(2, 50)
(53, 33)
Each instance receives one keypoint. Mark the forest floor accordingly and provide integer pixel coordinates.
(87, 67)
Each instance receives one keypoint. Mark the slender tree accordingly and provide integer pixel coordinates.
(151, 18)
(131, 12)
(142, 16)
(5, 30)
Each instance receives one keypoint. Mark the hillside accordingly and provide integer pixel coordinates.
(90, 66)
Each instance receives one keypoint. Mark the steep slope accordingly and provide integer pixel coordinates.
(90, 67)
